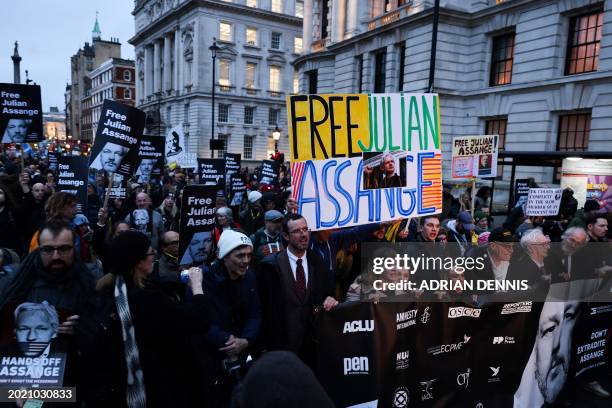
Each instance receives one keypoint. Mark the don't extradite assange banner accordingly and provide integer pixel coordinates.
(332, 181)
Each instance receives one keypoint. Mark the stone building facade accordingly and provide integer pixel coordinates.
(539, 73)
(258, 41)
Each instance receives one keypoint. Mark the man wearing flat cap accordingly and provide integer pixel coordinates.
(267, 240)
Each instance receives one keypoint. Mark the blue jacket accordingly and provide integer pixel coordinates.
(244, 322)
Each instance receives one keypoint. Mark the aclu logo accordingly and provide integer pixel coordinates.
(448, 348)
(494, 374)
(402, 360)
(406, 319)
(518, 307)
(357, 326)
(356, 365)
(455, 312)
(503, 340)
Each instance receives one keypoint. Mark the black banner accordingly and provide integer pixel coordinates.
(408, 354)
(150, 163)
(212, 172)
(197, 221)
(269, 172)
(20, 113)
(72, 178)
(521, 191)
(232, 165)
(237, 189)
(52, 158)
(115, 148)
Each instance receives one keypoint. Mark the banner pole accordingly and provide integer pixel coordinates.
(107, 192)
(473, 196)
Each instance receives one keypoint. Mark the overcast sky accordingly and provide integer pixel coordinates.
(49, 32)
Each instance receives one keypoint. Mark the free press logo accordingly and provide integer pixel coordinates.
(356, 366)
(503, 340)
(357, 326)
(461, 311)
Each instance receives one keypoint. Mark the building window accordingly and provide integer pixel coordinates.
(276, 39)
(296, 82)
(312, 81)
(127, 75)
(127, 93)
(251, 69)
(225, 32)
(251, 3)
(299, 8)
(273, 116)
(247, 148)
(584, 43)
(498, 127)
(251, 36)
(401, 62)
(223, 113)
(387, 5)
(277, 6)
(380, 70)
(275, 79)
(501, 59)
(359, 65)
(574, 132)
(249, 114)
(297, 45)
(221, 152)
(224, 72)
(324, 20)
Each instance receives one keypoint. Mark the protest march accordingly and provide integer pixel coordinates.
(352, 275)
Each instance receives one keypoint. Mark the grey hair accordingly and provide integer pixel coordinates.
(44, 307)
(530, 237)
(571, 231)
(226, 212)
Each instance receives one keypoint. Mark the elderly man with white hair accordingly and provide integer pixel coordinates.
(565, 259)
(529, 264)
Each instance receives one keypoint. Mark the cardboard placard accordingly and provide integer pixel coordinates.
(475, 156)
(72, 178)
(543, 202)
(20, 113)
(197, 221)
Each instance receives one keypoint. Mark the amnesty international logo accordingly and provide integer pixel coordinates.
(425, 316)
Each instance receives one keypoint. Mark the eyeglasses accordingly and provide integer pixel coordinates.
(304, 230)
(50, 250)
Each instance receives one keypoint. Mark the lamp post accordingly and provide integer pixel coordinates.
(213, 49)
(276, 134)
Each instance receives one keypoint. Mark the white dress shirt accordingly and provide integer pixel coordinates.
(293, 263)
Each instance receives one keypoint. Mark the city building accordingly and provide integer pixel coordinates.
(82, 63)
(114, 79)
(538, 73)
(257, 40)
(54, 124)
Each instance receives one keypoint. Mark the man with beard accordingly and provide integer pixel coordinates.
(145, 220)
(293, 283)
(144, 170)
(565, 262)
(267, 240)
(16, 131)
(546, 371)
(53, 274)
(110, 157)
(199, 248)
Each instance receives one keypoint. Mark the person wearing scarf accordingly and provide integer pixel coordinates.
(155, 329)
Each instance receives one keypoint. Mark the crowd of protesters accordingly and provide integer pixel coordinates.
(136, 334)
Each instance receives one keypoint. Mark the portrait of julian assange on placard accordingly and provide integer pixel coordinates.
(145, 169)
(16, 130)
(110, 157)
(199, 249)
(383, 170)
(35, 327)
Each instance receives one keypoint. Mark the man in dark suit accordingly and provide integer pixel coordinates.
(529, 264)
(293, 285)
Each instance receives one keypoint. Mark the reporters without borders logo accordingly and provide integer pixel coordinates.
(356, 365)
(519, 307)
(455, 312)
(357, 326)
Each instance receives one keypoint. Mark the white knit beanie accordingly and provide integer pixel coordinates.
(231, 240)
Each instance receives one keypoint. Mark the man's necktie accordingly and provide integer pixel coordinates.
(300, 280)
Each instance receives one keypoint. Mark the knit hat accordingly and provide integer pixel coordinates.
(127, 249)
(479, 215)
(254, 196)
(231, 240)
